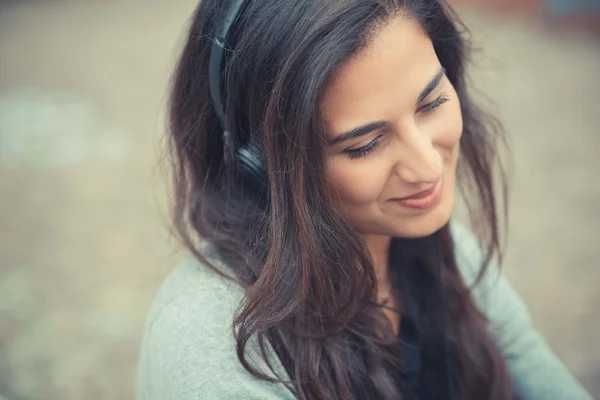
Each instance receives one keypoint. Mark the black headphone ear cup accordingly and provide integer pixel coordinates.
(251, 166)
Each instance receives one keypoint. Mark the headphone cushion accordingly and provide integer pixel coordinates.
(252, 168)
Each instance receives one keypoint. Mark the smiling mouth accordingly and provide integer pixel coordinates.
(423, 200)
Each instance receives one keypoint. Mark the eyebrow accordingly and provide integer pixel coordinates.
(365, 129)
(431, 85)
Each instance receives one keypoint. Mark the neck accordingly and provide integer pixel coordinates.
(379, 248)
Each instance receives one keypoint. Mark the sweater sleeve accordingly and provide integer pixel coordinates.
(537, 372)
(188, 353)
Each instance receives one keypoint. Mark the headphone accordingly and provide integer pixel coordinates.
(249, 158)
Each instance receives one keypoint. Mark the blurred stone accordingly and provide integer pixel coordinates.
(44, 128)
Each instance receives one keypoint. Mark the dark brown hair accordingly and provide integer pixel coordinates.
(308, 278)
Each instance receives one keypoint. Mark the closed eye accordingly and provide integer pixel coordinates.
(366, 149)
(429, 107)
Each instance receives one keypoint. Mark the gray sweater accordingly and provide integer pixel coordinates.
(188, 349)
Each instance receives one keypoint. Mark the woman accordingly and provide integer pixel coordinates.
(317, 146)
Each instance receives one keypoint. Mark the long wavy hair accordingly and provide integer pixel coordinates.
(308, 277)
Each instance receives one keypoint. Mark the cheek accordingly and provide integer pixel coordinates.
(355, 182)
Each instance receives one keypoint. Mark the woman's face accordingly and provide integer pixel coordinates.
(393, 123)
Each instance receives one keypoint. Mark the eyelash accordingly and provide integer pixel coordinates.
(427, 108)
(365, 150)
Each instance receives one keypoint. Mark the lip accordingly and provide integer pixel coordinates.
(425, 199)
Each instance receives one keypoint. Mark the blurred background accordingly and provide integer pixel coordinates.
(83, 228)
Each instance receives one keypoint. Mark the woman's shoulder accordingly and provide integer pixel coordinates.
(467, 249)
(537, 371)
(470, 259)
(189, 347)
(192, 286)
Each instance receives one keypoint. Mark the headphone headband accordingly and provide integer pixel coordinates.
(250, 161)
(217, 53)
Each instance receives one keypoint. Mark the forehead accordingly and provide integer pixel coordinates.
(382, 80)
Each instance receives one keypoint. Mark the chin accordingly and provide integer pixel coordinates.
(427, 223)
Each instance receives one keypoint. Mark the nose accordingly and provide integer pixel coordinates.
(419, 161)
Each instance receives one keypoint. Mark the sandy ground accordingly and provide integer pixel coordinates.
(83, 243)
